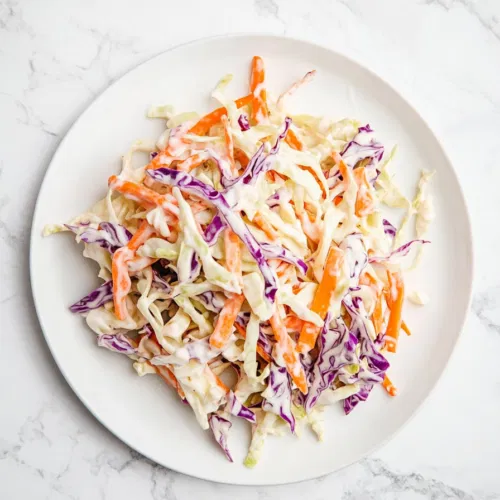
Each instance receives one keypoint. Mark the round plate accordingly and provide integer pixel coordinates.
(143, 412)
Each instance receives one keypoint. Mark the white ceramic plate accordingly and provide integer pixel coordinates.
(143, 412)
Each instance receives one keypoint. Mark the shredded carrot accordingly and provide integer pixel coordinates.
(143, 195)
(168, 376)
(389, 387)
(138, 263)
(405, 328)
(259, 221)
(290, 355)
(203, 126)
(232, 251)
(228, 145)
(365, 199)
(294, 323)
(396, 299)
(293, 141)
(345, 171)
(225, 322)
(121, 283)
(217, 380)
(378, 314)
(192, 162)
(162, 159)
(285, 272)
(135, 191)
(240, 156)
(322, 298)
(119, 268)
(311, 229)
(257, 76)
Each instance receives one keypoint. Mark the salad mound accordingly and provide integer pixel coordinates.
(253, 243)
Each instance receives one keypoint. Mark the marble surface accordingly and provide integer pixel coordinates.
(56, 56)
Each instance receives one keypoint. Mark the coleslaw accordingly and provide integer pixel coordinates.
(253, 243)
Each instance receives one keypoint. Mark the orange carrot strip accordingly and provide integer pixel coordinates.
(293, 141)
(228, 145)
(210, 374)
(138, 263)
(290, 356)
(265, 226)
(225, 321)
(119, 268)
(283, 269)
(135, 191)
(405, 328)
(208, 121)
(345, 171)
(257, 76)
(227, 316)
(263, 354)
(121, 282)
(240, 156)
(294, 323)
(164, 372)
(162, 159)
(192, 162)
(365, 202)
(322, 298)
(143, 233)
(168, 376)
(378, 315)
(233, 252)
(143, 195)
(389, 387)
(396, 294)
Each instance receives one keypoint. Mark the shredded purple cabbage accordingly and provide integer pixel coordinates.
(336, 350)
(363, 145)
(272, 251)
(161, 283)
(94, 299)
(389, 229)
(274, 200)
(377, 364)
(220, 428)
(213, 230)
(279, 395)
(116, 343)
(402, 251)
(213, 301)
(109, 236)
(195, 268)
(243, 122)
(362, 395)
(260, 162)
(238, 410)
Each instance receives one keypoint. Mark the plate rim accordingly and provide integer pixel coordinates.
(467, 225)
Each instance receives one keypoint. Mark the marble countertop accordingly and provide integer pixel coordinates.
(56, 56)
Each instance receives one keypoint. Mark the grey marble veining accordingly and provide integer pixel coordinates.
(55, 57)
